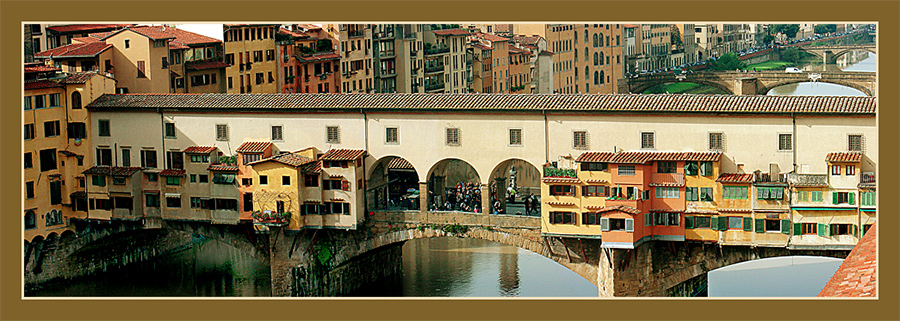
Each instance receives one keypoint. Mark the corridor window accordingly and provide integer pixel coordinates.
(390, 135)
(716, 141)
(579, 140)
(221, 132)
(333, 135)
(647, 140)
(855, 143)
(277, 133)
(453, 136)
(784, 142)
(626, 170)
(515, 137)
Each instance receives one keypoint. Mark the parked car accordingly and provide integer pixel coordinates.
(792, 70)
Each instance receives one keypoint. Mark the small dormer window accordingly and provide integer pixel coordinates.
(127, 43)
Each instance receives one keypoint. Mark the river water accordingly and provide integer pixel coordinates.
(434, 267)
(853, 61)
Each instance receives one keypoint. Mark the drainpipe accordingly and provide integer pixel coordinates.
(546, 138)
(364, 178)
(162, 136)
(794, 141)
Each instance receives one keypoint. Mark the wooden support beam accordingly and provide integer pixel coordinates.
(569, 257)
(312, 241)
(583, 256)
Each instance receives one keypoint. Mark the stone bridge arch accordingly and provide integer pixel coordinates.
(763, 90)
(387, 181)
(447, 173)
(641, 86)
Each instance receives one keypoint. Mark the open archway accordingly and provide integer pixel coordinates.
(454, 185)
(515, 187)
(393, 184)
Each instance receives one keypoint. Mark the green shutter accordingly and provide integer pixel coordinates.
(855, 230)
(797, 228)
(714, 223)
(834, 197)
(647, 219)
(852, 198)
(688, 222)
(786, 227)
(723, 224)
(827, 229)
(747, 222)
(821, 229)
(760, 225)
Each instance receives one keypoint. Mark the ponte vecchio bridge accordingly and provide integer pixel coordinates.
(755, 83)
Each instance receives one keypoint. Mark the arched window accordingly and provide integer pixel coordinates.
(76, 100)
(595, 59)
(600, 41)
(607, 40)
(601, 58)
(586, 38)
(576, 54)
(601, 77)
(595, 40)
(54, 218)
(30, 220)
(586, 55)
(576, 37)
(596, 78)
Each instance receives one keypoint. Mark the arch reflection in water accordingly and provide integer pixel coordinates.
(814, 89)
(462, 267)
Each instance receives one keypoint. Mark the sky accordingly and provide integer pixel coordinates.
(792, 276)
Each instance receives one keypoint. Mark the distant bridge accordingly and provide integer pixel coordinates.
(752, 83)
(830, 53)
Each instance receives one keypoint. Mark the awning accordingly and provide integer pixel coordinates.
(173, 195)
(844, 219)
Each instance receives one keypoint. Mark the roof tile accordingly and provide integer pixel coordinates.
(199, 149)
(399, 163)
(88, 49)
(172, 172)
(223, 167)
(343, 154)
(844, 157)
(621, 208)
(735, 178)
(41, 84)
(205, 65)
(86, 27)
(856, 276)
(451, 32)
(291, 159)
(253, 147)
(112, 170)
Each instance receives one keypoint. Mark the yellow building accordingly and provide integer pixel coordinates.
(250, 52)
(139, 59)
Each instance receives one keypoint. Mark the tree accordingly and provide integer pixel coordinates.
(768, 39)
(791, 54)
(676, 37)
(323, 45)
(729, 61)
(825, 28)
(787, 30)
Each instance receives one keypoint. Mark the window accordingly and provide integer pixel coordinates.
(51, 128)
(76, 130)
(716, 141)
(173, 200)
(148, 158)
(562, 218)
(843, 229)
(453, 136)
(126, 157)
(773, 225)
(333, 134)
(626, 170)
(855, 143)
(816, 196)
(690, 168)
(202, 158)
(48, 159)
(647, 140)
(808, 228)
(40, 101)
(562, 190)
(173, 180)
(263, 180)
(666, 192)
(735, 223)
(706, 169)
(843, 198)
(118, 180)
(277, 133)
(311, 180)
(706, 194)
(674, 219)
(665, 167)
(851, 170)
(270, 55)
(691, 194)
(701, 222)
(248, 201)
(29, 131)
(285, 180)
(594, 167)
(734, 192)
(770, 193)
(103, 127)
(836, 170)
(204, 178)
(867, 198)
(618, 224)
(170, 130)
(784, 142)
(29, 190)
(28, 103)
(579, 140)
(515, 136)
(221, 132)
(140, 69)
(590, 218)
(175, 160)
(196, 202)
(594, 190)
(390, 135)
(98, 180)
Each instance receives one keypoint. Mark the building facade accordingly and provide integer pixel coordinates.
(250, 54)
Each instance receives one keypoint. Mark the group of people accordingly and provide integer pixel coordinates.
(465, 197)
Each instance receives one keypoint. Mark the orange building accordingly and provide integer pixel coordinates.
(247, 153)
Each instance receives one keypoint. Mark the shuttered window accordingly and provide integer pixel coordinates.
(453, 136)
(390, 135)
(140, 69)
(221, 132)
(579, 140)
(277, 133)
(716, 141)
(515, 136)
(647, 140)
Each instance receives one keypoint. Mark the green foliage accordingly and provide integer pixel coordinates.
(455, 229)
(826, 28)
(323, 253)
(789, 30)
(231, 160)
(676, 37)
(790, 54)
(768, 39)
(421, 228)
(323, 45)
(307, 50)
(556, 172)
(729, 61)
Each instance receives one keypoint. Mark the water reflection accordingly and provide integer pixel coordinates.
(477, 268)
(851, 61)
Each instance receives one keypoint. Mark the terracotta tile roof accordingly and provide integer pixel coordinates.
(291, 159)
(595, 181)
(527, 40)
(100, 35)
(41, 84)
(204, 65)
(844, 157)
(294, 34)
(40, 68)
(223, 167)
(613, 103)
(313, 168)
(554, 203)
(67, 153)
(643, 157)
(86, 27)
(561, 180)
(199, 149)
(482, 47)
(343, 154)
(112, 170)
(546, 53)
(399, 163)
(75, 50)
(253, 147)
(856, 276)
(663, 210)
(735, 178)
(595, 157)
(174, 44)
(163, 32)
(78, 77)
(320, 57)
(514, 50)
(630, 26)
(490, 37)
(85, 39)
(78, 194)
(621, 208)
(172, 172)
(734, 210)
(451, 32)
(667, 180)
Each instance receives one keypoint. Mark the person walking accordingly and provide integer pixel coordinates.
(528, 204)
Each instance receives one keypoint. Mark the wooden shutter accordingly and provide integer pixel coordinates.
(629, 225)
(345, 185)
(834, 197)
(604, 224)
(760, 225)
(821, 229)
(723, 224)
(852, 198)
(714, 223)
(648, 219)
(584, 190)
(759, 193)
(747, 224)
(779, 193)
(786, 227)
(688, 222)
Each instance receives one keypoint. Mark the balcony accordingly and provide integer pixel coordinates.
(409, 35)
(356, 33)
(867, 178)
(667, 179)
(388, 73)
(436, 50)
(770, 178)
(434, 68)
(808, 180)
(386, 54)
(434, 86)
